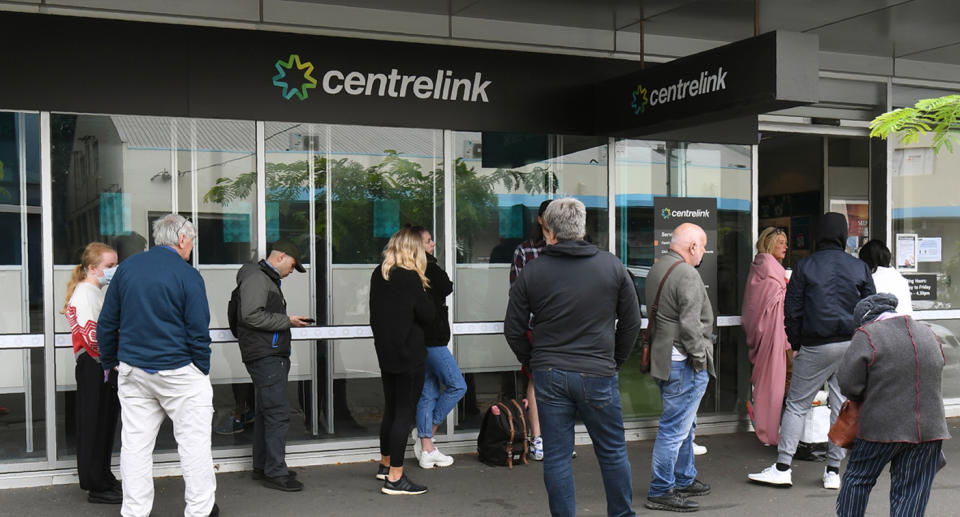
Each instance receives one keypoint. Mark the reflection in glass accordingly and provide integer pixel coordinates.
(22, 420)
(501, 179)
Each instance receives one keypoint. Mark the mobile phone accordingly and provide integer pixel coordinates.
(309, 320)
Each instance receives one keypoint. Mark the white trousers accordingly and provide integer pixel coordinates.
(186, 396)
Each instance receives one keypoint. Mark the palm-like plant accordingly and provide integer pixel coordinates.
(941, 116)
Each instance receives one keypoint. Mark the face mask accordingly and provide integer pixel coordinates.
(107, 276)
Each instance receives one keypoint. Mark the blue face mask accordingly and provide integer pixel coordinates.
(107, 276)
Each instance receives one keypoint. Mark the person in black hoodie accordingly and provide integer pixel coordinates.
(818, 316)
(441, 369)
(585, 320)
(400, 310)
(263, 331)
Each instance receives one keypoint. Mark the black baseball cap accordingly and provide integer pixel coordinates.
(291, 249)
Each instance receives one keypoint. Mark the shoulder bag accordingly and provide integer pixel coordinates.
(646, 338)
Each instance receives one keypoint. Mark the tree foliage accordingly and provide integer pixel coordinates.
(356, 188)
(941, 116)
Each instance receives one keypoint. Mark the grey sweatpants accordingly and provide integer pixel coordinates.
(812, 366)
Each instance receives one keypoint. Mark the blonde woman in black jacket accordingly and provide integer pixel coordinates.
(399, 311)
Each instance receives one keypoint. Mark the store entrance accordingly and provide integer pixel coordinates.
(801, 176)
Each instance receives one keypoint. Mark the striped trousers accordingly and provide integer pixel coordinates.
(912, 467)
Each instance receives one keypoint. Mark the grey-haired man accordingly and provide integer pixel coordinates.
(154, 327)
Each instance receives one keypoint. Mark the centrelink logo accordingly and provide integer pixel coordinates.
(667, 213)
(705, 83)
(293, 77)
(640, 100)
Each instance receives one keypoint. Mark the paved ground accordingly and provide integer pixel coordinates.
(469, 488)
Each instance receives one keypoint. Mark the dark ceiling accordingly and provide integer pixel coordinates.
(925, 30)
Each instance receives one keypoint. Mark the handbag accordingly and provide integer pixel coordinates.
(646, 336)
(845, 429)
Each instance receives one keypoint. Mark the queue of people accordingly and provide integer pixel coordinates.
(143, 354)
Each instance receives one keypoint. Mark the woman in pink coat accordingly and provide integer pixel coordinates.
(762, 318)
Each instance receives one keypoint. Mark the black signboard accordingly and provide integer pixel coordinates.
(772, 71)
(922, 286)
(91, 65)
(670, 212)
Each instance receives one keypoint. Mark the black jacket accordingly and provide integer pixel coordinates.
(263, 326)
(576, 294)
(438, 334)
(399, 312)
(824, 289)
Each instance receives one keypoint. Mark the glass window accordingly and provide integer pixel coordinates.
(648, 169)
(111, 178)
(501, 179)
(21, 310)
(926, 230)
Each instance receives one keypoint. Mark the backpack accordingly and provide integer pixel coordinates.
(233, 311)
(503, 437)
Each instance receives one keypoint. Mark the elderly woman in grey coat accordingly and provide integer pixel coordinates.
(893, 368)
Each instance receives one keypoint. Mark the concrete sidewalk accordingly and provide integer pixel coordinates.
(470, 488)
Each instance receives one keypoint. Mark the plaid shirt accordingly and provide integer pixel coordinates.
(525, 252)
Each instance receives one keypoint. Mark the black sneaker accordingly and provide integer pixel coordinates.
(402, 486)
(696, 488)
(283, 483)
(110, 496)
(382, 471)
(672, 502)
(258, 474)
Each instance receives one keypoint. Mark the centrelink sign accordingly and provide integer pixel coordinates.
(773, 71)
(295, 78)
(706, 83)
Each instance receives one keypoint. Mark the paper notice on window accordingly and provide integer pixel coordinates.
(907, 251)
(929, 249)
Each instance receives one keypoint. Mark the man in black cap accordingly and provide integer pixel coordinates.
(263, 331)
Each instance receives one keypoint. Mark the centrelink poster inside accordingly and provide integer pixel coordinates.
(670, 212)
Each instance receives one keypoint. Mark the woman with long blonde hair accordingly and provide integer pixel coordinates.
(762, 315)
(400, 309)
(98, 407)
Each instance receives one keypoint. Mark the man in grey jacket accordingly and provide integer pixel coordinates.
(264, 334)
(585, 321)
(681, 361)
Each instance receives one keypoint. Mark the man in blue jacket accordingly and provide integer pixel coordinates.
(818, 315)
(154, 328)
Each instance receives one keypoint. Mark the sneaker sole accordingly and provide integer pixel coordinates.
(437, 464)
(771, 483)
(382, 477)
(658, 506)
(390, 491)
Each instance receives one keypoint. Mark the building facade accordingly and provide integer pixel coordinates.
(332, 125)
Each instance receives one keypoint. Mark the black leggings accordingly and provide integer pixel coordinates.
(98, 410)
(401, 392)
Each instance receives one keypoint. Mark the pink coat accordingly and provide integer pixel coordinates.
(762, 318)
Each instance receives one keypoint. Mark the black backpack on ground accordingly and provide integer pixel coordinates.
(233, 311)
(503, 437)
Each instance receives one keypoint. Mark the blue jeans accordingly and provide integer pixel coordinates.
(672, 464)
(560, 396)
(434, 404)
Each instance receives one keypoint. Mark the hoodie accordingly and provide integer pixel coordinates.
(824, 289)
(585, 311)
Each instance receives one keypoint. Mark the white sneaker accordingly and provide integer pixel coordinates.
(417, 446)
(831, 480)
(699, 450)
(772, 476)
(435, 458)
